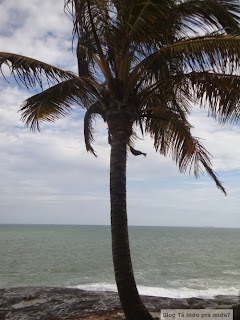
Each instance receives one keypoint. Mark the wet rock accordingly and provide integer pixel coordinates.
(236, 312)
(40, 303)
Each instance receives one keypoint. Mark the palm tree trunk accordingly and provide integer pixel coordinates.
(132, 305)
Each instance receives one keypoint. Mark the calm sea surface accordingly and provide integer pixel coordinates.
(168, 261)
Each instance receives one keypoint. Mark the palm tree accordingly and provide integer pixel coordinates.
(141, 63)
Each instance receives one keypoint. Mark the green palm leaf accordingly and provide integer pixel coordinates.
(86, 15)
(219, 93)
(218, 14)
(32, 72)
(172, 135)
(219, 54)
(93, 111)
(216, 53)
(54, 103)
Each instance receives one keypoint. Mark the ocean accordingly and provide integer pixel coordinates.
(174, 262)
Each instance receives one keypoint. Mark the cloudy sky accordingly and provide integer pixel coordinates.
(48, 177)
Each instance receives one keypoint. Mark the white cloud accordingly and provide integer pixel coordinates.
(220, 140)
(38, 29)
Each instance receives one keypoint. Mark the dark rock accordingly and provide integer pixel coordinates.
(40, 303)
(236, 312)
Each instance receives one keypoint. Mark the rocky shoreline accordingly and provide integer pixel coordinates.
(43, 303)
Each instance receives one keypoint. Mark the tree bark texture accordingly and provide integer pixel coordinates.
(120, 128)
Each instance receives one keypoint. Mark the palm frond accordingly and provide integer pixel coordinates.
(76, 11)
(221, 53)
(85, 57)
(216, 53)
(218, 93)
(54, 103)
(143, 15)
(218, 14)
(172, 135)
(30, 72)
(148, 22)
(92, 111)
(231, 5)
(86, 15)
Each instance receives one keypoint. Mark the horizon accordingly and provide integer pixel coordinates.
(108, 225)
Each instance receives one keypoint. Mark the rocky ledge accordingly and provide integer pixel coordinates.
(35, 303)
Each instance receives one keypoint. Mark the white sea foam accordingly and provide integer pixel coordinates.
(232, 272)
(181, 292)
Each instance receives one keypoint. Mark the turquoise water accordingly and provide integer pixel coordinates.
(168, 261)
